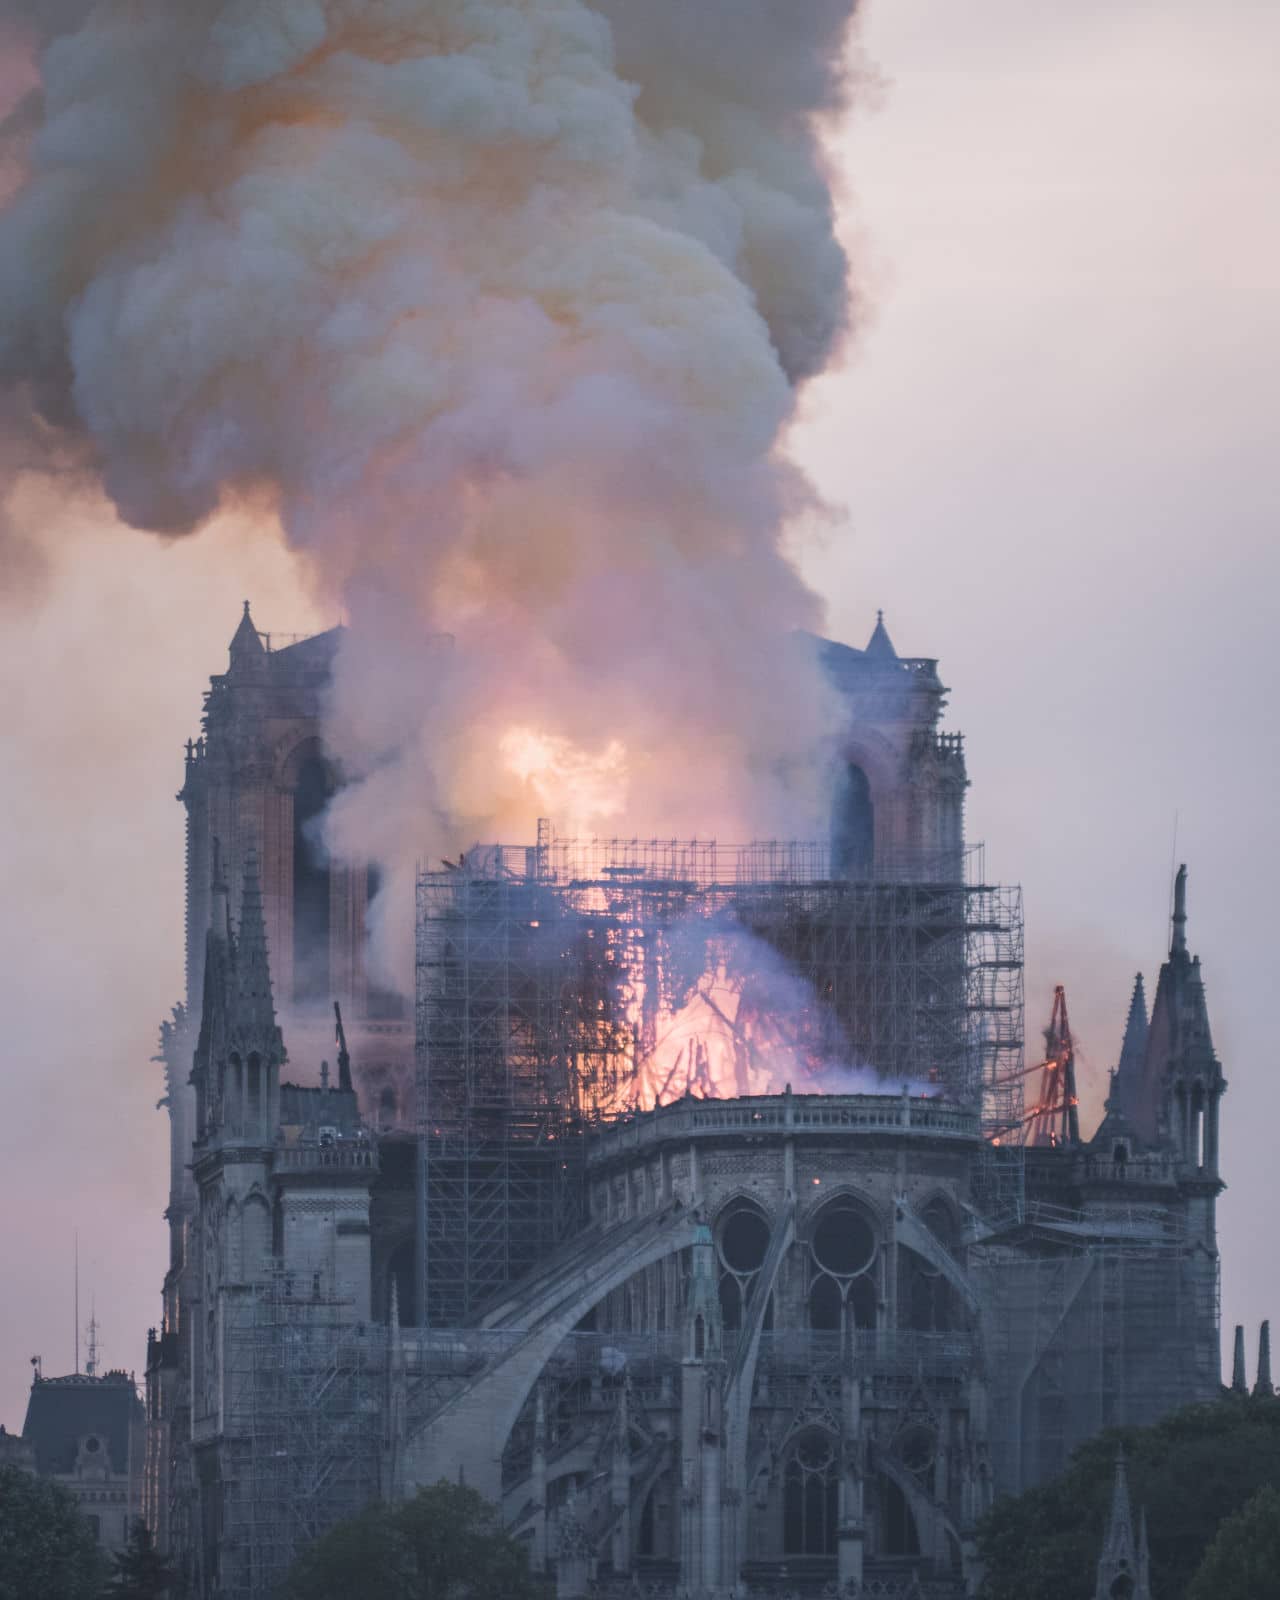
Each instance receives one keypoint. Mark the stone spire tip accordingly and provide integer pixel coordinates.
(1239, 1379)
(1179, 944)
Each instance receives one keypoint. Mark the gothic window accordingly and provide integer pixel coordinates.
(898, 1536)
(1198, 1126)
(255, 1116)
(1122, 1588)
(384, 1004)
(842, 1285)
(646, 1541)
(861, 1301)
(926, 1301)
(853, 827)
(825, 1304)
(844, 1243)
(742, 1242)
(810, 1496)
(310, 882)
(256, 1226)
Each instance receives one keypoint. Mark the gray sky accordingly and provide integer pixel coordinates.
(1053, 441)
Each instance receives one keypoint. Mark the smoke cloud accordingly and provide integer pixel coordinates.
(498, 308)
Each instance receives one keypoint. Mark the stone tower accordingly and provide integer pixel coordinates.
(899, 784)
(259, 778)
(283, 1175)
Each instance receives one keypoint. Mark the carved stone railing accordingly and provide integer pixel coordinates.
(852, 1114)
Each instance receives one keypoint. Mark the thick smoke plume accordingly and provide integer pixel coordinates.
(497, 307)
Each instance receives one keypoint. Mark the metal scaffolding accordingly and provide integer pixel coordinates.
(1089, 1322)
(552, 980)
(304, 1425)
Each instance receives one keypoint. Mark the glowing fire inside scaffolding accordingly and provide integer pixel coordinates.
(570, 983)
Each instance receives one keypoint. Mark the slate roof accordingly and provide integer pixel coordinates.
(63, 1411)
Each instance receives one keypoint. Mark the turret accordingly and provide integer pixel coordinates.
(240, 1049)
(704, 1329)
(1262, 1379)
(1133, 1050)
(1175, 1101)
(247, 653)
(1239, 1378)
(701, 1423)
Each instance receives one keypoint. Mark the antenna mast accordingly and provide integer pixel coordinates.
(76, 1274)
(91, 1365)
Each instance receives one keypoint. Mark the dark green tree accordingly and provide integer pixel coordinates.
(446, 1543)
(140, 1572)
(1243, 1562)
(1189, 1471)
(47, 1549)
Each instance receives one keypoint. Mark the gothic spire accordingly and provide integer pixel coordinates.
(1134, 1048)
(246, 644)
(1239, 1378)
(1121, 1511)
(1178, 945)
(1144, 1556)
(1120, 1559)
(255, 1012)
(880, 645)
(1262, 1379)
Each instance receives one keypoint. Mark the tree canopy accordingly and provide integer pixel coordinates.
(446, 1543)
(1243, 1562)
(1190, 1472)
(139, 1572)
(46, 1547)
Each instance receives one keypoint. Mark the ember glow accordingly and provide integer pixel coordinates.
(735, 1035)
(565, 779)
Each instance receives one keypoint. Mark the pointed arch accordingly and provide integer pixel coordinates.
(255, 1226)
(232, 1253)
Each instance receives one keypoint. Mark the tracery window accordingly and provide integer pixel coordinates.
(742, 1242)
(853, 825)
(844, 1252)
(811, 1496)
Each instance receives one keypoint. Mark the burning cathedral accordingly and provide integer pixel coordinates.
(693, 1210)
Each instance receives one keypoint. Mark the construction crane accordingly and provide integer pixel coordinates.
(1055, 1118)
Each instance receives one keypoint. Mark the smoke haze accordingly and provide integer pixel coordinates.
(499, 308)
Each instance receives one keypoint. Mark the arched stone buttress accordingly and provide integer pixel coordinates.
(468, 1434)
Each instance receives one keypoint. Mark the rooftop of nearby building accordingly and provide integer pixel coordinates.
(63, 1413)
